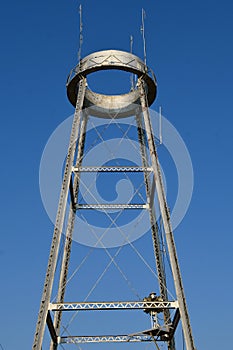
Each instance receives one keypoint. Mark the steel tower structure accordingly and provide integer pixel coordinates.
(134, 104)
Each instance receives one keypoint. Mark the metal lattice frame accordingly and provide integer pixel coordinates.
(106, 339)
(113, 305)
(135, 103)
(109, 339)
(112, 169)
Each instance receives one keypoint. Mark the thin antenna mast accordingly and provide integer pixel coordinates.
(80, 33)
(131, 51)
(131, 43)
(160, 126)
(143, 34)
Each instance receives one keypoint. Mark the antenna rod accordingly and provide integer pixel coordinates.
(80, 33)
(131, 43)
(131, 51)
(160, 126)
(143, 34)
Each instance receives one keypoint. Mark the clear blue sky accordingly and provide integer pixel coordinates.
(189, 46)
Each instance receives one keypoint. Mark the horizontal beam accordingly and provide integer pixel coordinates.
(111, 169)
(105, 339)
(119, 305)
(112, 206)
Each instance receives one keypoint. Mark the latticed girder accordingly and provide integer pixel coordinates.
(105, 339)
(112, 206)
(112, 169)
(153, 334)
(125, 305)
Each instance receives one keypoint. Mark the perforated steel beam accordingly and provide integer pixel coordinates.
(69, 230)
(46, 296)
(150, 190)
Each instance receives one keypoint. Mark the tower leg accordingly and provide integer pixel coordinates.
(49, 279)
(69, 231)
(166, 222)
(154, 227)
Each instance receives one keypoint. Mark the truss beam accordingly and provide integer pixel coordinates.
(112, 169)
(112, 206)
(120, 305)
(105, 339)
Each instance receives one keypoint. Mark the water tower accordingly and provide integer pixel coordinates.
(112, 111)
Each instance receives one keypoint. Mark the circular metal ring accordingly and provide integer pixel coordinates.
(106, 60)
(115, 106)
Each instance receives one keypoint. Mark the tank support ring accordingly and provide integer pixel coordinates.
(107, 60)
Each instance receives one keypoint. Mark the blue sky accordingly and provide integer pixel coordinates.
(189, 47)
